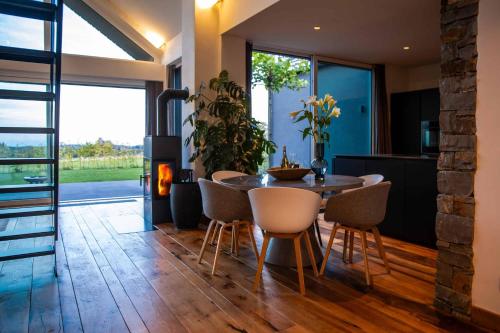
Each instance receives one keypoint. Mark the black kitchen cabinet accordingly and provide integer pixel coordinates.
(408, 110)
(411, 209)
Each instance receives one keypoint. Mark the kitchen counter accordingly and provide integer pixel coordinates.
(390, 156)
(411, 210)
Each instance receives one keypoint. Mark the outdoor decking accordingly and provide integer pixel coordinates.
(150, 281)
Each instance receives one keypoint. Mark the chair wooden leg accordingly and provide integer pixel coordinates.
(233, 237)
(311, 253)
(345, 246)
(328, 248)
(216, 229)
(237, 239)
(380, 247)
(260, 265)
(205, 241)
(365, 255)
(300, 268)
(351, 245)
(252, 240)
(219, 246)
(318, 232)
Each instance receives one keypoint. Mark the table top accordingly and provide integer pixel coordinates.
(330, 183)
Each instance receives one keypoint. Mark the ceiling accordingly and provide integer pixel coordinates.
(364, 31)
(162, 17)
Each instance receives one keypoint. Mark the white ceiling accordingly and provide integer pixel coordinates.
(368, 31)
(159, 16)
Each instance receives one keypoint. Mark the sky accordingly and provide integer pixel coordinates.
(87, 113)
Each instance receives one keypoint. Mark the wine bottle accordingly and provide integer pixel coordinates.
(284, 159)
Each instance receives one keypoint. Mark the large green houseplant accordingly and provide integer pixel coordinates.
(225, 136)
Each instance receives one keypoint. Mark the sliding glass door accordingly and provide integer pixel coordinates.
(273, 100)
(351, 133)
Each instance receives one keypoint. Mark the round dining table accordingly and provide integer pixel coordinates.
(280, 251)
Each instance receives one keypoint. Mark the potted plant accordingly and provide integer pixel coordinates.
(318, 119)
(225, 136)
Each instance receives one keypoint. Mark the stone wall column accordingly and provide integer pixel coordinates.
(457, 160)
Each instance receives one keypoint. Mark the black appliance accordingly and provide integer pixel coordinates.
(162, 160)
(429, 137)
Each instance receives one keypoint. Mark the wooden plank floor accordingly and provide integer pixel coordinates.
(111, 281)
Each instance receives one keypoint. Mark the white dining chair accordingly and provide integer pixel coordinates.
(224, 174)
(285, 213)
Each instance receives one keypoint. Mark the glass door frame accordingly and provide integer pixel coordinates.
(278, 52)
(334, 61)
(314, 60)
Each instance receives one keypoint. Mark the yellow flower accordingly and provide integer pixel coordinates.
(335, 112)
(328, 97)
(331, 103)
(294, 114)
(321, 102)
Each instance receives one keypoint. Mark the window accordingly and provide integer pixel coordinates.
(352, 88)
(80, 37)
(273, 107)
(21, 32)
(101, 135)
(85, 32)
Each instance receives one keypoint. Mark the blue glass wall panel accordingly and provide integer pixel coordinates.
(350, 134)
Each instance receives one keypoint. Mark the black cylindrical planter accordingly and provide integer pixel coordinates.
(185, 203)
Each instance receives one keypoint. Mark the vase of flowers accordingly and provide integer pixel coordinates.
(318, 113)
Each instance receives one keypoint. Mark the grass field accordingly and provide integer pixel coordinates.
(99, 175)
(78, 176)
(78, 170)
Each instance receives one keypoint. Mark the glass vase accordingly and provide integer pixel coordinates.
(319, 165)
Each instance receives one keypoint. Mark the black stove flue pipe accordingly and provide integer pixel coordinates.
(165, 125)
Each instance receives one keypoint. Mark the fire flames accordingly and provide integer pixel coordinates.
(164, 179)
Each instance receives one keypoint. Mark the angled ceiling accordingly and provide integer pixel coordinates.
(162, 17)
(364, 31)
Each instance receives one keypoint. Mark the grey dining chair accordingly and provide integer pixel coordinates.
(358, 211)
(226, 207)
(217, 177)
(368, 180)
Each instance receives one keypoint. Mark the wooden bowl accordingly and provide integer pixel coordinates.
(288, 173)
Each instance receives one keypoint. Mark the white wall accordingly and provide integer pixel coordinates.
(486, 281)
(400, 79)
(233, 12)
(233, 58)
(172, 50)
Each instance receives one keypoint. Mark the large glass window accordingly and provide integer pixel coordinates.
(19, 113)
(80, 37)
(101, 133)
(350, 134)
(21, 32)
(279, 83)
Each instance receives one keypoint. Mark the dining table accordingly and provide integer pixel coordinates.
(280, 251)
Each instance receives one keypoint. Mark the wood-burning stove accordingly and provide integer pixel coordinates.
(162, 161)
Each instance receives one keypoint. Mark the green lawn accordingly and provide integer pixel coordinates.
(97, 175)
(77, 176)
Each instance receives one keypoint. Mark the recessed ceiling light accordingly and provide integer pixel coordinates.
(406, 48)
(205, 4)
(317, 28)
